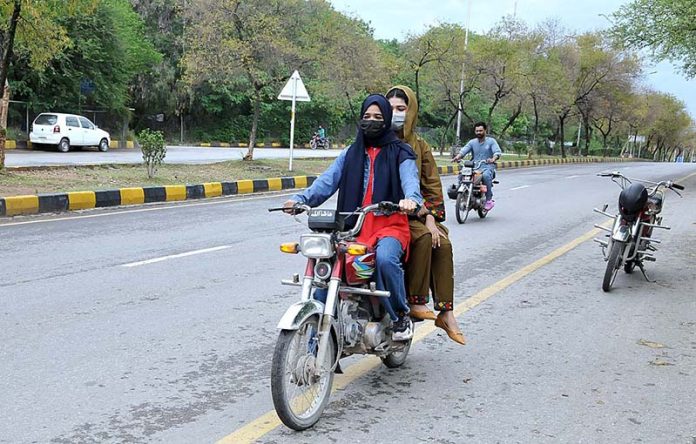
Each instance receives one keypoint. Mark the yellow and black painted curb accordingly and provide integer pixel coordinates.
(508, 164)
(81, 200)
(11, 144)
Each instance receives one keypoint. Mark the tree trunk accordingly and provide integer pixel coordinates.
(8, 42)
(588, 135)
(512, 119)
(561, 130)
(254, 124)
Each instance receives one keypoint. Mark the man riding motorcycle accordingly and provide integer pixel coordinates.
(483, 149)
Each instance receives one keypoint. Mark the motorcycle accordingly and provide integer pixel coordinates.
(321, 143)
(469, 192)
(629, 243)
(314, 336)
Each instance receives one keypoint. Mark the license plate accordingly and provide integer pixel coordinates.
(466, 171)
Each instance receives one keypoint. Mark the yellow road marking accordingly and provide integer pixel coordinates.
(266, 423)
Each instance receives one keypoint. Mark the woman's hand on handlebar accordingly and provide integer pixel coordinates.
(407, 205)
(290, 207)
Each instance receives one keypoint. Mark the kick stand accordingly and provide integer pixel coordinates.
(645, 275)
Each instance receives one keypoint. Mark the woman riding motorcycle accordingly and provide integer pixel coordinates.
(376, 167)
(430, 266)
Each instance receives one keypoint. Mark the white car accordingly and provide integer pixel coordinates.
(67, 130)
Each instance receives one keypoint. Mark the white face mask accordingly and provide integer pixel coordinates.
(398, 120)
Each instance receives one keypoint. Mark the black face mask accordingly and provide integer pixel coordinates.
(372, 128)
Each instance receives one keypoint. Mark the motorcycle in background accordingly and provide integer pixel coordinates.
(321, 143)
(629, 243)
(315, 335)
(469, 192)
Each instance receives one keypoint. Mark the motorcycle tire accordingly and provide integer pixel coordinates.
(629, 267)
(397, 359)
(613, 265)
(482, 213)
(289, 374)
(462, 206)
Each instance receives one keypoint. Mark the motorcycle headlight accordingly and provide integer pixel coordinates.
(316, 246)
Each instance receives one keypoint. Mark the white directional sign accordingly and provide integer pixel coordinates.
(295, 91)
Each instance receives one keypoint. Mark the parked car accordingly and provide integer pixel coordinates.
(67, 130)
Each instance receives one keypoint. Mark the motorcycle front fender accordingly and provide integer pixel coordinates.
(299, 312)
(621, 233)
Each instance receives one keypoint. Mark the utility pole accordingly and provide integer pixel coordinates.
(461, 80)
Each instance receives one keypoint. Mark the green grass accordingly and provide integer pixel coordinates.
(88, 178)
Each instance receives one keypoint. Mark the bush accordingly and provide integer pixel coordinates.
(153, 148)
(519, 148)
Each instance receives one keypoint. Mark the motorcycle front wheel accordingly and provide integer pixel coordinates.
(463, 202)
(613, 264)
(300, 393)
(397, 358)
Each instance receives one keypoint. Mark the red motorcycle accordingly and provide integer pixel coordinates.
(314, 335)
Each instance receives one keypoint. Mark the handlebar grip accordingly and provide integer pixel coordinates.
(677, 186)
(389, 207)
(270, 210)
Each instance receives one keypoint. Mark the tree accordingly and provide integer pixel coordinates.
(32, 28)
(666, 27)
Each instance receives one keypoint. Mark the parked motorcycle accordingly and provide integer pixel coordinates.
(321, 143)
(469, 192)
(629, 243)
(314, 336)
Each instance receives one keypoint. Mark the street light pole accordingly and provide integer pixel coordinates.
(461, 80)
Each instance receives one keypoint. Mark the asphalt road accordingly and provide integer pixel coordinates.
(175, 154)
(157, 324)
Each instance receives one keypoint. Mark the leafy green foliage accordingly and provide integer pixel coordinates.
(153, 149)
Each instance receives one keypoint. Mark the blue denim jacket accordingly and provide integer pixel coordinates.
(482, 151)
(327, 184)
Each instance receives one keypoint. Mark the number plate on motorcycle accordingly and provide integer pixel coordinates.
(321, 220)
(466, 171)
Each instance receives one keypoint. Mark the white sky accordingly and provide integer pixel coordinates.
(397, 18)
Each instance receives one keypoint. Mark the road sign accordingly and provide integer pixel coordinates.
(295, 91)
(290, 93)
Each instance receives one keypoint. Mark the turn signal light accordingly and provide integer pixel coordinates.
(290, 247)
(356, 249)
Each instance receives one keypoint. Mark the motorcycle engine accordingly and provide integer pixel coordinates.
(355, 320)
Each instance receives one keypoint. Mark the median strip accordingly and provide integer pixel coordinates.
(81, 200)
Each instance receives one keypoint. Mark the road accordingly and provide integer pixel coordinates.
(157, 324)
(175, 154)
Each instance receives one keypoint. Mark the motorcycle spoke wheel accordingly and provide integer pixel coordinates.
(462, 206)
(613, 265)
(299, 388)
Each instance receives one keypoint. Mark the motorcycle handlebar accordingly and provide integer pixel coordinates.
(677, 186)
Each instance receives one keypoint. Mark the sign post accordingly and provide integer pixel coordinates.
(294, 91)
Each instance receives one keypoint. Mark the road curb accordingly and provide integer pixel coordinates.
(512, 164)
(81, 200)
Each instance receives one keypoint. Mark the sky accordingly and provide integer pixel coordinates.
(395, 19)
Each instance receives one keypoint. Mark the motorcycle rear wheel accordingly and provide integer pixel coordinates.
(397, 359)
(298, 395)
(462, 206)
(613, 265)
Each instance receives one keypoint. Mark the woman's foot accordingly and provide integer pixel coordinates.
(422, 312)
(446, 321)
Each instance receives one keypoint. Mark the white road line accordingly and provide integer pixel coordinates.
(155, 207)
(519, 188)
(176, 256)
(572, 177)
